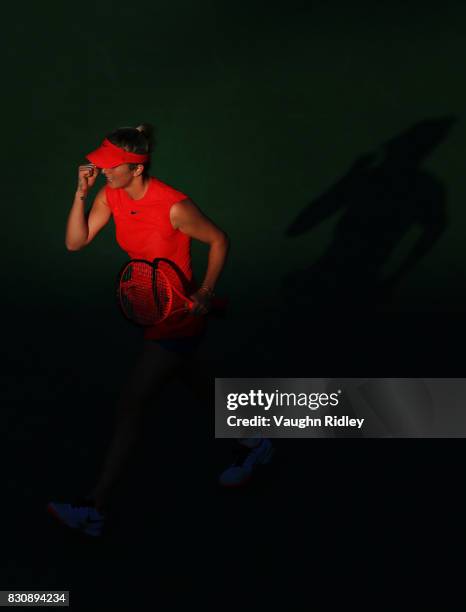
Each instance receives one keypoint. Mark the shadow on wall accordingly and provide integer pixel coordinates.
(381, 198)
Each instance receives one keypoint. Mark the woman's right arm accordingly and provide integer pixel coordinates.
(81, 229)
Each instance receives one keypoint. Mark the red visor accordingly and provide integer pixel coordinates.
(109, 155)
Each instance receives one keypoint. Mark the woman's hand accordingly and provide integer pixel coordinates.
(87, 176)
(201, 299)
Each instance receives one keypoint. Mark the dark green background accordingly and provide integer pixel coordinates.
(259, 109)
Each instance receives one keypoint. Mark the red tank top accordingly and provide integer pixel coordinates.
(144, 231)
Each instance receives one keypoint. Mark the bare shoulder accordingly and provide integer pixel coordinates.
(100, 197)
(184, 211)
(184, 205)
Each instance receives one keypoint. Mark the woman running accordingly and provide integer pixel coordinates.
(152, 219)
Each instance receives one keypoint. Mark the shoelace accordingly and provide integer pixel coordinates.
(82, 503)
(89, 505)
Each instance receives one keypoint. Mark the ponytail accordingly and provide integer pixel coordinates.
(135, 140)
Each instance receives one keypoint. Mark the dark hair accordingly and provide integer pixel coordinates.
(135, 140)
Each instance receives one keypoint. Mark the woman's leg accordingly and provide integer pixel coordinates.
(252, 452)
(153, 368)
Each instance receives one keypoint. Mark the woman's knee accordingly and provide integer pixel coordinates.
(154, 367)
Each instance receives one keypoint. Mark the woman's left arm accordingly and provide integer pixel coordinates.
(187, 217)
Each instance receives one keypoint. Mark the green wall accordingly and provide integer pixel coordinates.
(258, 108)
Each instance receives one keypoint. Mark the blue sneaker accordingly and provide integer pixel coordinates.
(81, 515)
(246, 463)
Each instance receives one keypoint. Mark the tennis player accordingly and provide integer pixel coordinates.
(152, 219)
